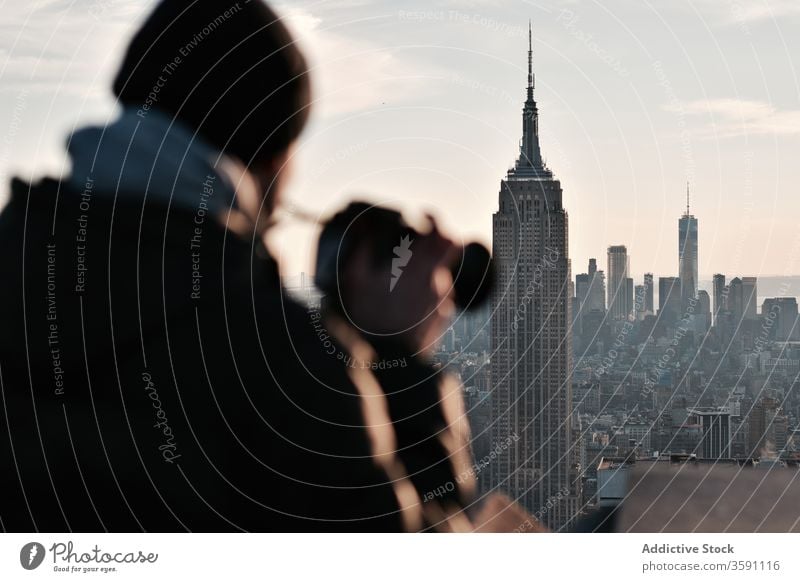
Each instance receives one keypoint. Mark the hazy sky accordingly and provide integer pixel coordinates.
(422, 110)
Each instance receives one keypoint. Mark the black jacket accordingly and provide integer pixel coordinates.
(155, 376)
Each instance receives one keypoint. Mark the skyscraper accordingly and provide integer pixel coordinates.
(702, 312)
(530, 332)
(582, 286)
(734, 302)
(618, 298)
(629, 297)
(782, 313)
(720, 291)
(742, 298)
(639, 300)
(669, 299)
(648, 293)
(590, 289)
(749, 297)
(597, 287)
(687, 254)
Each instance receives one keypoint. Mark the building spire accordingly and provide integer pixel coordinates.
(687, 198)
(530, 156)
(530, 61)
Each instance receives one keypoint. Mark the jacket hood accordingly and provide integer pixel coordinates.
(150, 155)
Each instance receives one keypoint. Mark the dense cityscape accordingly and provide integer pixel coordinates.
(569, 383)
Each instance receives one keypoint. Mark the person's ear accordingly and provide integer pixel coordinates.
(258, 188)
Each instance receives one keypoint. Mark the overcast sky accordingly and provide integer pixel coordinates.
(423, 111)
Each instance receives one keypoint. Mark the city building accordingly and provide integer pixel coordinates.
(590, 291)
(715, 442)
(780, 315)
(669, 299)
(720, 291)
(629, 297)
(734, 302)
(619, 301)
(702, 312)
(649, 306)
(749, 297)
(639, 434)
(761, 442)
(742, 299)
(597, 287)
(582, 283)
(531, 341)
(639, 301)
(612, 481)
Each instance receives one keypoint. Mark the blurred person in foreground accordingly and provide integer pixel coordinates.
(156, 376)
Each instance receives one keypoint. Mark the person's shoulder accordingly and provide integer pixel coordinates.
(24, 193)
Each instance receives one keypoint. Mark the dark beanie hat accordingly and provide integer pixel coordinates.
(230, 70)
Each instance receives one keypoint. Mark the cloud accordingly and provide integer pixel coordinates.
(751, 10)
(739, 12)
(353, 74)
(59, 45)
(738, 117)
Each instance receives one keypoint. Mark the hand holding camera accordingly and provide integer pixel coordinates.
(394, 283)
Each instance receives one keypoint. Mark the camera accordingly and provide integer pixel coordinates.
(390, 238)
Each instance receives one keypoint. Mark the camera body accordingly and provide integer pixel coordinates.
(389, 238)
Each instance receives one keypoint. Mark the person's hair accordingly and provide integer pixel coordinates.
(230, 70)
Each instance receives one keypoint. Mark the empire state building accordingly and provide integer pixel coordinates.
(531, 361)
